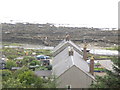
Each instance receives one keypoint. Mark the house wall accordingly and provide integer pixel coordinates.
(74, 77)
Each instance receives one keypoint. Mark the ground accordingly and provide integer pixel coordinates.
(51, 35)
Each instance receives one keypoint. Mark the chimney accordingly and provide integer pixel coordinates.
(67, 37)
(92, 65)
(70, 51)
(85, 52)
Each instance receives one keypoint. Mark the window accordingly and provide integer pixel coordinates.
(68, 87)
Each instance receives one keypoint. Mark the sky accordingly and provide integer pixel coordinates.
(91, 13)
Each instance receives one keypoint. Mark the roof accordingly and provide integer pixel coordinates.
(62, 62)
(15, 68)
(65, 44)
(41, 73)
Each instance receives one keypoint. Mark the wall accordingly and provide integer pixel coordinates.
(74, 77)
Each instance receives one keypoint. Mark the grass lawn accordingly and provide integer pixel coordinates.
(11, 44)
(113, 48)
(99, 69)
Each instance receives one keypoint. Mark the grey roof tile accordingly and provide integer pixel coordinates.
(62, 61)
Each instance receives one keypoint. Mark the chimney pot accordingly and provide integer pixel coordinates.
(92, 65)
(70, 50)
(85, 52)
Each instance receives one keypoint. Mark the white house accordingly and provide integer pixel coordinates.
(61, 46)
(69, 66)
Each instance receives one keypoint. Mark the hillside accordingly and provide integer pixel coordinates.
(48, 34)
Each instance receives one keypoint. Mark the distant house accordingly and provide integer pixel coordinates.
(70, 67)
(43, 73)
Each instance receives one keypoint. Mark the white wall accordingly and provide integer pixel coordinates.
(74, 77)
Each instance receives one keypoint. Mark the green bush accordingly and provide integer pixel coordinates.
(13, 83)
(10, 64)
(29, 58)
(34, 62)
(20, 71)
(5, 74)
(12, 57)
(31, 79)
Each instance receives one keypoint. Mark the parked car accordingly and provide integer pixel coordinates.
(42, 57)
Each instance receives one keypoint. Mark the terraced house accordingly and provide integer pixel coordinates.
(70, 67)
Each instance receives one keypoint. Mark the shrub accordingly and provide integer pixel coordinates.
(34, 62)
(10, 64)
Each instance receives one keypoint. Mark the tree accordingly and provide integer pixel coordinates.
(112, 79)
(13, 83)
(25, 78)
(5, 74)
(51, 82)
(30, 79)
(20, 71)
(10, 64)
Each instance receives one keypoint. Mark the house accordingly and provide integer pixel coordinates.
(43, 73)
(61, 46)
(70, 68)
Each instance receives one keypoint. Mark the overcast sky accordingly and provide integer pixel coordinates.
(91, 13)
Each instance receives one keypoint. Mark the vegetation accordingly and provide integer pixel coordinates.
(13, 83)
(43, 51)
(24, 77)
(112, 79)
(114, 48)
(34, 62)
(10, 44)
(99, 56)
(41, 68)
(28, 33)
(12, 53)
(10, 64)
(99, 69)
(5, 74)
(12, 57)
